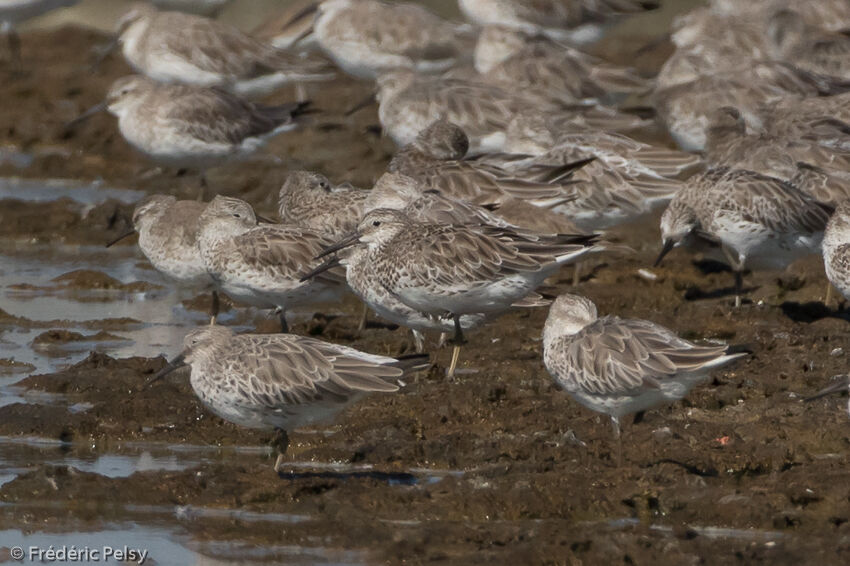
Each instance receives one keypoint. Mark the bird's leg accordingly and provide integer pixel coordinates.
(204, 187)
(281, 444)
(284, 327)
(441, 341)
(215, 306)
(615, 421)
(457, 341)
(828, 299)
(576, 273)
(364, 318)
(418, 340)
(739, 285)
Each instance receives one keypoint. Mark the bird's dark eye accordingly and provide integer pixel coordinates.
(376, 223)
(235, 215)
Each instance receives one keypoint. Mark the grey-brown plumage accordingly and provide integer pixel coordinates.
(308, 199)
(174, 47)
(168, 236)
(452, 270)
(280, 381)
(729, 144)
(759, 221)
(686, 107)
(194, 127)
(808, 47)
(368, 37)
(829, 186)
(421, 204)
(578, 21)
(620, 366)
(409, 103)
(550, 70)
(262, 265)
(434, 159)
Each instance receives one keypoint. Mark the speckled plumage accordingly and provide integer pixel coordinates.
(836, 249)
(168, 236)
(729, 144)
(193, 127)
(573, 20)
(368, 37)
(309, 200)
(262, 265)
(280, 380)
(409, 103)
(620, 366)
(174, 47)
(761, 221)
(686, 108)
(515, 60)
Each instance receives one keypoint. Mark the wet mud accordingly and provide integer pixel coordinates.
(495, 466)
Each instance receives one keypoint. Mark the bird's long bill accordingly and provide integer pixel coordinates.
(328, 264)
(307, 10)
(346, 241)
(100, 107)
(121, 237)
(668, 245)
(265, 220)
(174, 364)
(367, 100)
(104, 51)
(839, 385)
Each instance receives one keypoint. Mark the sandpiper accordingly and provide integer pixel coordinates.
(758, 221)
(619, 366)
(209, 8)
(577, 21)
(409, 103)
(308, 199)
(368, 37)
(808, 47)
(435, 158)
(448, 271)
(686, 108)
(421, 204)
(829, 186)
(729, 144)
(174, 47)
(168, 236)
(13, 12)
(261, 265)
(279, 381)
(836, 250)
(623, 180)
(514, 59)
(192, 127)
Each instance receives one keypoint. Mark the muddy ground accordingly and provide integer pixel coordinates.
(521, 474)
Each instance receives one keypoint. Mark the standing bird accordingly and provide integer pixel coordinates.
(409, 103)
(513, 59)
(309, 200)
(576, 21)
(619, 366)
(836, 250)
(368, 37)
(173, 47)
(758, 221)
(279, 381)
(192, 127)
(13, 12)
(448, 271)
(168, 236)
(262, 265)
